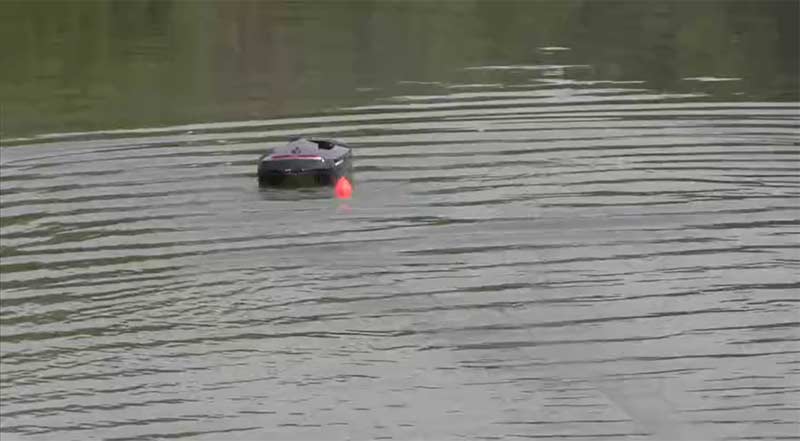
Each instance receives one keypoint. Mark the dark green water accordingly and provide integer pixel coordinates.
(571, 220)
(71, 66)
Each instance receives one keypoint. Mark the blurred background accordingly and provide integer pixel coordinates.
(71, 66)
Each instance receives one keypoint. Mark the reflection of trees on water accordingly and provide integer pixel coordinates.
(89, 65)
(666, 42)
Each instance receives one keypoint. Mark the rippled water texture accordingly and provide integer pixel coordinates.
(529, 253)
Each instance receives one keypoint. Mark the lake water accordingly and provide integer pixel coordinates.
(570, 220)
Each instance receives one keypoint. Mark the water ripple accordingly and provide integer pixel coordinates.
(561, 259)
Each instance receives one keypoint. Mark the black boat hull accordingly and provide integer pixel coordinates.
(268, 177)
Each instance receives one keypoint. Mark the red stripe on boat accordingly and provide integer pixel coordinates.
(317, 157)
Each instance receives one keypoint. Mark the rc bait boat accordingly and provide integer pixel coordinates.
(305, 161)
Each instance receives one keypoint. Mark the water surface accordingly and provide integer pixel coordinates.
(558, 231)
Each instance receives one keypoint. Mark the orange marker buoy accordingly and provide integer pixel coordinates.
(343, 189)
